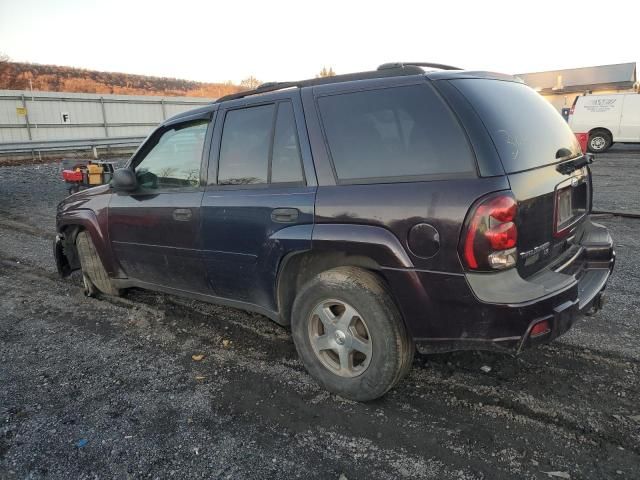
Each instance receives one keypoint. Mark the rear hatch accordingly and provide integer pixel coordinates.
(536, 146)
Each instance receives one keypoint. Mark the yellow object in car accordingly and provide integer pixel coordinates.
(95, 174)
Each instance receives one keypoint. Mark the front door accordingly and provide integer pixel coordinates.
(154, 231)
(259, 203)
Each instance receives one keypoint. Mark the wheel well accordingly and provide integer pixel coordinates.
(297, 269)
(70, 232)
(600, 129)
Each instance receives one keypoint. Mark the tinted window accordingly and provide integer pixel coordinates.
(285, 161)
(526, 129)
(174, 161)
(393, 132)
(244, 151)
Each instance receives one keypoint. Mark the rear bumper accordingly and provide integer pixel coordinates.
(447, 312)
(591, 298)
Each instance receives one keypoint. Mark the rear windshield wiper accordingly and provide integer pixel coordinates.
(571, 166)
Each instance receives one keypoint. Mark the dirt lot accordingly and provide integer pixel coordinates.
(108, 389)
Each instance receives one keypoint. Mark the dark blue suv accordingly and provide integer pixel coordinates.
(374, 213)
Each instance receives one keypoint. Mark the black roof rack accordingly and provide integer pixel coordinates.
(386, 70)
(439, 66)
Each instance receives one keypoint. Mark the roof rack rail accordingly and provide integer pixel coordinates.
(390, 71)
(439, 66)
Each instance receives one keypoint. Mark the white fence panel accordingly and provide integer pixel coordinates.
(58, 116)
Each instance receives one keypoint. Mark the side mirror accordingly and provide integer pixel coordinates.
(124, 180)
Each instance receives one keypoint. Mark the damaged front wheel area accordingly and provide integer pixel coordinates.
(90, 289)
(94, 276)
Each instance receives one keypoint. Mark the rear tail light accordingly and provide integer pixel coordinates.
(490, 236)
(582, 140)
(540, 328)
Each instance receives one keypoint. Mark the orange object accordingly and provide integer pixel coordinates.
(95, 174)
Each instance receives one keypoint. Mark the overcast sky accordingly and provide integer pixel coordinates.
(286, 40)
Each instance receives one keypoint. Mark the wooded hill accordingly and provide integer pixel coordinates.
(53, 78)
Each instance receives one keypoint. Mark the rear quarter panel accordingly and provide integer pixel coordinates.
(397, 207)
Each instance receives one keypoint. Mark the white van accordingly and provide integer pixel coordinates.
(606, 119)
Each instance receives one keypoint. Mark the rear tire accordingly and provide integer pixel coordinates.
(350, 335)
(599, 141)
(93, 272)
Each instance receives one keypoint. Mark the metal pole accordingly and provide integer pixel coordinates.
(104, 118)
(164, 110)
(33, 99)
(26, 117)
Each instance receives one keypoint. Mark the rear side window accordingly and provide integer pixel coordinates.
(393, 133)
(286, 163)
(259, 147)
(526, 129)
(244, 151)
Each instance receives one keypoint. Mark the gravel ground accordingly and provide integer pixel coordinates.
(616, 177)
(104, 388)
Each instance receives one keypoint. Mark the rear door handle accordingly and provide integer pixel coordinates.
(284, 215)
(182, 214)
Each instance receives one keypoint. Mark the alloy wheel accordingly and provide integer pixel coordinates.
(340, 338)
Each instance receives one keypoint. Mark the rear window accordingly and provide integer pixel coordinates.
(526, 129)
(393, 133)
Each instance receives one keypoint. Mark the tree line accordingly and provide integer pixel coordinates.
(54, 78)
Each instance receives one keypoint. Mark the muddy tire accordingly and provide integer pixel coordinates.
(94, 275)
(350, 335)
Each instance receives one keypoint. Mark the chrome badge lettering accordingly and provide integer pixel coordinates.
(544, 248)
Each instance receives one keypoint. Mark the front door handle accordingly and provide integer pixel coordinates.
(182, 214)
(284, 215)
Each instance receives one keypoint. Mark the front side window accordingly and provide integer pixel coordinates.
(392, 133)
(174, 161)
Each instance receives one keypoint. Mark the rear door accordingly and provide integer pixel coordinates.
(154, 231)
(532, 139)
(630, 121)
(260, 192)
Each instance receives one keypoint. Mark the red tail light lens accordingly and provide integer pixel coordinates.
(540, 328)
(503, 236)
(490, 236)
(582, 140)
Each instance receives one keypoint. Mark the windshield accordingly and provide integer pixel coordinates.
(526, 129)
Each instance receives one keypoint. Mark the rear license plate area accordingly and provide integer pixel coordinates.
(571, 205)
(565, 207)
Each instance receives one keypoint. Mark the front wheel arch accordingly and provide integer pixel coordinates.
(65, 251)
